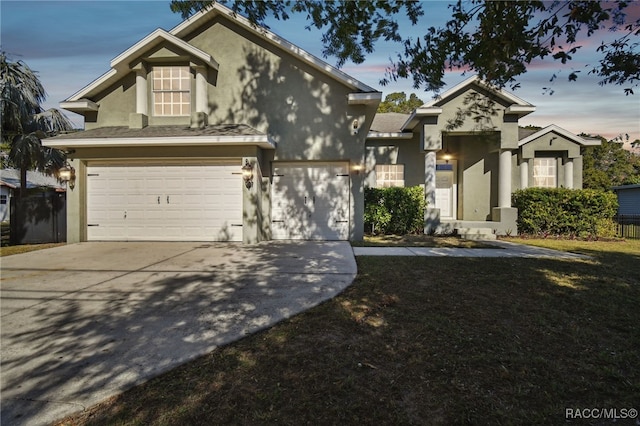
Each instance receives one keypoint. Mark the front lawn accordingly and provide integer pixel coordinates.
(424, 340)
(25, 248)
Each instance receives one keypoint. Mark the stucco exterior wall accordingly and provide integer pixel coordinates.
(477, 180)
(555, 146)
(406, 152)
(116, 103)
(303, 110)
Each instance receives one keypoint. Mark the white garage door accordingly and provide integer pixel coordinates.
(164, 202)
(310, 201)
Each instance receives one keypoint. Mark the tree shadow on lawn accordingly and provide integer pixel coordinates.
(422, 341)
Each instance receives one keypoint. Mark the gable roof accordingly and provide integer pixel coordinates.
(216, 9)
(120, 64)
(516, 106)
(562, 132)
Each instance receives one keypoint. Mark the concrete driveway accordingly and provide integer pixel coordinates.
(86, 321)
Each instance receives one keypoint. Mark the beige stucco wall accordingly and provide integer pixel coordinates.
(116, 103)
(477, 176)
(407, 152)
(491, 109)
(550, 145)
(303, 110)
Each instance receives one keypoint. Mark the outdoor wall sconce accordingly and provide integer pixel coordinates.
(67, 174)
(447, 156)
(357, 168)
(247, 174)
(355, 126)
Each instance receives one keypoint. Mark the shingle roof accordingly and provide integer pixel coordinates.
(388, 122)
(523, 133)
(11, 178)
(162, 131)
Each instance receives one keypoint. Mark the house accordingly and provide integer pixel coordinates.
(10, 182)
(628, 199)
(467, 150)
(218, 130)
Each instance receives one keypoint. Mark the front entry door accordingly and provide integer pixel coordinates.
(446, 189)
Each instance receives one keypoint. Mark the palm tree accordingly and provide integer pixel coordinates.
(25, 123)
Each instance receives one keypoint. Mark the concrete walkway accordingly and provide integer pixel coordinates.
(503, 249)
(83, 322)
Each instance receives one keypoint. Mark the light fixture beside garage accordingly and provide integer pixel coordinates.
(67, 173)
(355, 126)
(247, 174)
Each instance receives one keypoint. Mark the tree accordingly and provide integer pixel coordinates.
(609, 164)
(495, 39)
(398, 102)
(25, 123)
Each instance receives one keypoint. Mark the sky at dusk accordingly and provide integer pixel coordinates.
(71, 43)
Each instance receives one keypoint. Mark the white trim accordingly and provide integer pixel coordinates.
(219, 10)
(423, 111)
(364, 98)
(153, 40)
(120, 64)
(453, 192)
(80, 105)
(475, 79)
(520, 110)
(103, 79)
(562, 132)
(390, 135)
(262, 141)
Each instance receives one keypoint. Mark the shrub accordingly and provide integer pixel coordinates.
(394, 210)
(569, 212)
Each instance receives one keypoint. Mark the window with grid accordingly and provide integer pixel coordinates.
(389, 175)
(171, 91)
(545, 172)
(3, 199)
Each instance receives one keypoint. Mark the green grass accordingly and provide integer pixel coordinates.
(424, 340)
(25, 248)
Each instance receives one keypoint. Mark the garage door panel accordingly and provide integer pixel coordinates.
(310, 201)
(176, 202)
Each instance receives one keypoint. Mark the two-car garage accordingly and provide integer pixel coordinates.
(198, 201)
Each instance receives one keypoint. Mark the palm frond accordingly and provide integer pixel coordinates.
(26, 152)
(51, 122)
(21, 95)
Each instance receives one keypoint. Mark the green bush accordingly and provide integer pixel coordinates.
(584, 213)
(394, 210)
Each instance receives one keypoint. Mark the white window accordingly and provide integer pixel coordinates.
(171, 91)
(545, 172)
(389, 175)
